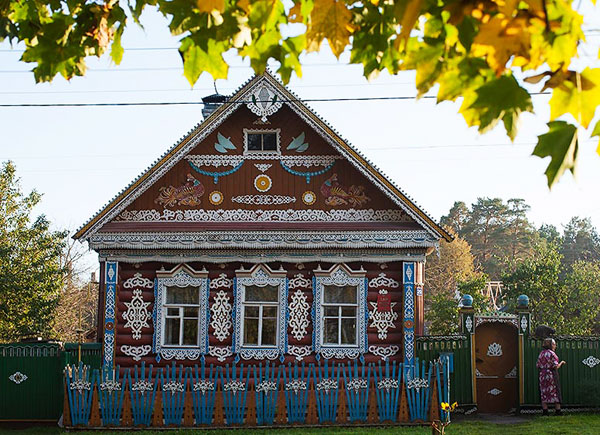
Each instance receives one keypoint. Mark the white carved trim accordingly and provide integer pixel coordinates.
(259, 354)
(382, 320)
(263, 101)
(215, 160)
(383, 281)
(495, 391)
(263, 199)
(384, 352)
(309, 161)
(220, 319)
(261, 240)
(137, 315)
(136, 352)
(298, 312)
(263, 167)
(494, 349)
(299, 351)
(221, 282)
(591, 361)
(299, 282)
(512, 374)
(18, 377)
(221, 353)
(138, 281)
(247, 215)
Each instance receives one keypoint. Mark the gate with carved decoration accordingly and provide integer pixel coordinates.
(496, 360)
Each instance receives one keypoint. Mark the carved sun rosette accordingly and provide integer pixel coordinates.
(298, 310)
(220, 319)
(137, 314)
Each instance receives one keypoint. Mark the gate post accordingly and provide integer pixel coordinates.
(524, 330)
(467, 327)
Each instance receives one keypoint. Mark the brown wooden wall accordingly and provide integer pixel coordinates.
(148, 270)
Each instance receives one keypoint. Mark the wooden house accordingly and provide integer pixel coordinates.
(262, 235)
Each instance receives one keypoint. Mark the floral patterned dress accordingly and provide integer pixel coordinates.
(549, 384)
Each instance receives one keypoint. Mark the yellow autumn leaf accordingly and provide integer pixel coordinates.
(409, 19)
(579, 95)
(331, 20)
(501, 38)
(295, 15)
(210, 5)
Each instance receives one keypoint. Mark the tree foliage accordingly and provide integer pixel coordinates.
(565, 297)
(460, 49)
(500, 233)
(449, 276)
(31, 273)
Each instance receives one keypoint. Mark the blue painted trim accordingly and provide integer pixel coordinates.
(408, 275)
(216, 175)
(307, 175)
(110, 296)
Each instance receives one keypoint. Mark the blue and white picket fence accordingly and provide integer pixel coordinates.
(372, 394)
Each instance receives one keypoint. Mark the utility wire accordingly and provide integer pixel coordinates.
(175, 103)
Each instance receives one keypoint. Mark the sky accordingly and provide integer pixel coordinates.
(81, 157)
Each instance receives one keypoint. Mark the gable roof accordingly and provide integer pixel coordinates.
(241, 96)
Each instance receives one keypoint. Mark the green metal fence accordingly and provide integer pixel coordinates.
(579, 378)
(91, 354)
(30, 381)
(458, 349)
(31, 385)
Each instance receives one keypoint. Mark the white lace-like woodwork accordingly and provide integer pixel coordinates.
(136, 352)
(298, 312)
(220, 319)
(137, 315)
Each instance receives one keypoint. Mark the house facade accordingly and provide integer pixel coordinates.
(261, 236)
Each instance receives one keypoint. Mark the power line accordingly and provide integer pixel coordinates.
(176, 103)
(118, 91)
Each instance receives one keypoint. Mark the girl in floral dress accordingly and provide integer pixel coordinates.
(548, 365)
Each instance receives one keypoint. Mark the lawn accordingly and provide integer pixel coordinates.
(568, 424)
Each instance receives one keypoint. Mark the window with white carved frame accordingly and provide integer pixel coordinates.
(259, 143)
(260, 304)
(181, 313)
(340, 312)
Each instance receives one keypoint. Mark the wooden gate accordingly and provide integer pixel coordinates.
(496, 359)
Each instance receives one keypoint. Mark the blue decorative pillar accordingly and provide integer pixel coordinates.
(408, 277)
(110, 282)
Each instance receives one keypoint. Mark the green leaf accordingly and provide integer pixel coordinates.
(116, 51)
(579, 96)
(197, 60)
(467, 31)
(296, 142)
(561, 145)
(225, 142)
(500, 99)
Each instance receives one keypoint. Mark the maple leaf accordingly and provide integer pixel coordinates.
(210, 5)
(408, 14)
(500, 38)
(578, 95)
(329, 19)
(561, 145)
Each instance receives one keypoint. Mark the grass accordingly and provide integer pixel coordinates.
(583, 424)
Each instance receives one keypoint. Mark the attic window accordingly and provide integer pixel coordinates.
(261, 142)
